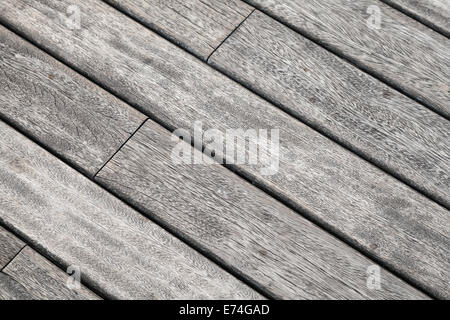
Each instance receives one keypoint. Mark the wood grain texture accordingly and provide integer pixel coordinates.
(402, 51)
(367, 207)
(73, 221)
(9, 247)
(62, 110)
(433, 13)
(268, 243)
(362, 113)
(196, 25)
(11, 289)
(30, 275)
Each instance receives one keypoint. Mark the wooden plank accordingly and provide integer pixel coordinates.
(367, 116)
(362, 204)
(265, 241)
(30, 275)
(402, 51)
(196, 25)
(74, 222)
(9, 247)
(11, 289)
(433, 13)
(62, 110)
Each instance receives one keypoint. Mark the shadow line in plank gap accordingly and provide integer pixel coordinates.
(285, 201)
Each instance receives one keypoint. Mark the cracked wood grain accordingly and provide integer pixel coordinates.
(223, 214)
(31, 276)
(10, 245)
(71, 220)
(367, 116)
(332, 186)
(433, 13)
(62, 110)
(403, 52)
(196, 25)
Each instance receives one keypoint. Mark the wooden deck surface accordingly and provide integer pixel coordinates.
(90, 95)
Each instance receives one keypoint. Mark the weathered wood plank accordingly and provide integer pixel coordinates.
(62, 110)
(9, 247)
(433, 13)
(30, 275)
(267, 242)
(391, 130)
(73, 221)
(316, 176)
(197, 25)
(401, 51)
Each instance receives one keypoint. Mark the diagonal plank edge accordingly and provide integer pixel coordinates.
(73, 221)
(10, 246)
(370, 209)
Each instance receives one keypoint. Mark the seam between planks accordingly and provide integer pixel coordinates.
(352, 61)
(9, 262)
(282, 199)
(416, 17)
(229, 35)
(337, 140)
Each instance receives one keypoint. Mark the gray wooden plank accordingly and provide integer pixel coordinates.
(10, 245)
(433, 13)
(367, 116)
(30, 275)
(62, 110)
(12, 290)
(197, 25)
(74, 222)
(264, 240)
(367, 207)
(401, 51)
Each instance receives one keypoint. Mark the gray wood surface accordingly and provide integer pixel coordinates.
(391, 130)
(31, 276)
(62, 110)
(433, 13)
(9, 247)
(74, 222)
(402, 51)
(267, 242)
(197, 25)
(367, 207)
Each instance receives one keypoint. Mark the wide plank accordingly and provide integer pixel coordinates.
(367, 116)
(10, 246)
(433, 13)
(396, 48)
(74, 222)
(196, 25)
(253, 233)
(71, 116)
(31, 276)
(317, 177)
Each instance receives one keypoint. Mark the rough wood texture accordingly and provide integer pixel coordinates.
(433, 13)
(268, 243)
(9, 247)
(402, 51)
(62, 110)
(197, 25)
(75, 222)
(316, 176)
(389, 129)
(31, 276)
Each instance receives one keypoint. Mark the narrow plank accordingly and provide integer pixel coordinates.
(62, 110)
(367, 116)
(433, 13)
(30, 275)
(265, 241)
(9, 247)
(402, 51)
(196, 25)
(362, 204)
(74, 222)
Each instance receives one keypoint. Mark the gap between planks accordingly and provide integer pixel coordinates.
(329, 229)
